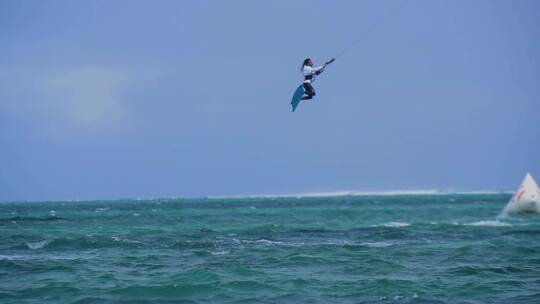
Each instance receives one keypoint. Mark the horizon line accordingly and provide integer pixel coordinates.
(338, 193)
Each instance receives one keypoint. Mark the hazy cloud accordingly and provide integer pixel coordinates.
(87, 98)
(90, 96)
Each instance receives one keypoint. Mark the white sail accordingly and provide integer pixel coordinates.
(526, 198)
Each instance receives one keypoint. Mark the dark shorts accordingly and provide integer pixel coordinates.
(308, 88)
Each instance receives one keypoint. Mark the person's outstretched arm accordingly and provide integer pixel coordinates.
(318, 70)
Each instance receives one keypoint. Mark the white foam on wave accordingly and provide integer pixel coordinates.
(37, 245)
(376, 244)
(117, 239)
(264, 241)
(396, 224)
(61, 257)
(11, 257)
(222, 252)
(335, 242)
(341, 243)
(338, 243)
(489, 224)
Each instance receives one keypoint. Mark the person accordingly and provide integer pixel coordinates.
(310, 73)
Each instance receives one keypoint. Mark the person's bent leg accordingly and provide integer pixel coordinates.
(310, 91)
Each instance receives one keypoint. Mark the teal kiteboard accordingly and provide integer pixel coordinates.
(297, 97)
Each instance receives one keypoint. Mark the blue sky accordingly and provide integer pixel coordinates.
(124, 99)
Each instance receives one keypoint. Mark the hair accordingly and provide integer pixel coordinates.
(305, 63)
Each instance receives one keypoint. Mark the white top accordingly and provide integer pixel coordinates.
(307, 70)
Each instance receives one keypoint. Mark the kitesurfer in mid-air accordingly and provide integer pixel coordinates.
(309, 75)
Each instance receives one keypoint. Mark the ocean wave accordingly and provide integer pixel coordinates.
(45, 256)
(336, 243)
(221, 252)
(179, 289)
(32, 219)
(377, 244)
(11, 257)
(400, 298)
(38, 244)
(532, 231)
(81, 242)
(469, 270)
(489, 224)
(117, 239)
(264, 242)
(396, 224)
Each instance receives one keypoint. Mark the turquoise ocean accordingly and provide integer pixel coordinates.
(408, 248)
